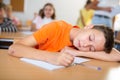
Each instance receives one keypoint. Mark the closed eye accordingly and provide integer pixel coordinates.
(92, 49)
(90, 38)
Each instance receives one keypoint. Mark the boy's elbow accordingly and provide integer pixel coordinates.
(12, 50)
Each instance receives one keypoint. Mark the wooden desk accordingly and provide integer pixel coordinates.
(7, 38)
(14, 35)
(24, 28)
(12, 68)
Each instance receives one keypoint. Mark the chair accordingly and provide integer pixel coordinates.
(117, 41)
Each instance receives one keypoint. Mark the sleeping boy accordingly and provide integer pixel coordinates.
(59, 42)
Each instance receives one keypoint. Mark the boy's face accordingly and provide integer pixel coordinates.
(89, 40)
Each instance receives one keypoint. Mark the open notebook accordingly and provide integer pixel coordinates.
(49, 66)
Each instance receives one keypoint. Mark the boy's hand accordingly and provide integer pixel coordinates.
(64, 59)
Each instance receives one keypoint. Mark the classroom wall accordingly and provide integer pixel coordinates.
(65, 9)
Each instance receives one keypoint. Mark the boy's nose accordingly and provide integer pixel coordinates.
(86, 44)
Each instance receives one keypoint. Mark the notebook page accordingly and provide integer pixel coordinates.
(49, 66)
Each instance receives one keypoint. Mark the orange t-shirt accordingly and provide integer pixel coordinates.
(53, 36)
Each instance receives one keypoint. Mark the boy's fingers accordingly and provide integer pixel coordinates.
(65, 59)
(64, 63)
(70, 58)
(67, 62)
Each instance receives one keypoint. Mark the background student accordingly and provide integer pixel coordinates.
(104, 13)
(86, 15)
(46, 15)
(6, 24)
(9, 14)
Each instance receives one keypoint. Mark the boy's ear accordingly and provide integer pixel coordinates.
(89, 26)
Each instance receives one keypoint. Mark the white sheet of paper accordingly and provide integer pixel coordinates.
(49, 66)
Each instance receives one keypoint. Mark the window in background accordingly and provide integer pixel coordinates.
(18, 5)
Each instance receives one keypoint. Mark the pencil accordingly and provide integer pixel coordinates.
(89, 66)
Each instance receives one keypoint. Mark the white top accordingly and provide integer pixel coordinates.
(109, 3)
(40, 22)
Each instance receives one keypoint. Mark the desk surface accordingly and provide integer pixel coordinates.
(12, 68)
(23, 34)
(14, 35)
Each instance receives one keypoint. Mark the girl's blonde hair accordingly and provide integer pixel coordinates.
(9, 7)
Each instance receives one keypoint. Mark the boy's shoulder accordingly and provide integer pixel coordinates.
(57, 24)
(62, 23)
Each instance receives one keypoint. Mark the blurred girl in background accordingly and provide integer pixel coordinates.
(46, 15)
(86, 15)
(9, 15)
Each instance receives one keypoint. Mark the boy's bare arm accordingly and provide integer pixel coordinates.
(113, 56)
(24, 48)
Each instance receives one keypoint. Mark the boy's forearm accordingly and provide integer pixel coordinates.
(94, 55)
(113, 56)
(19, 50)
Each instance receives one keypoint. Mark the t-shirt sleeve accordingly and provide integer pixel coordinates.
(45, 33)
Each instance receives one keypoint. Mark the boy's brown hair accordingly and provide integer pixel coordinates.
(109, 37)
